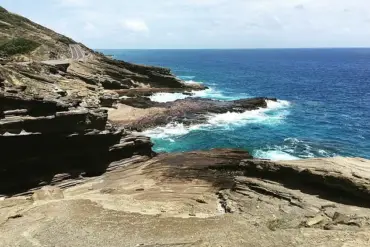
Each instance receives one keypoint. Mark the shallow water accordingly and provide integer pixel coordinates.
(323, 108)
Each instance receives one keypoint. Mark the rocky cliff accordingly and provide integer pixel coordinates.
(52, 123)
(71, 176)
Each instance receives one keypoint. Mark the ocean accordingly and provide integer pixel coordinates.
(323, 107)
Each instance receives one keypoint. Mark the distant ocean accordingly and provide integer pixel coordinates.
(323, 108)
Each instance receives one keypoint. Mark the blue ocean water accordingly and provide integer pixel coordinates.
(324, 107)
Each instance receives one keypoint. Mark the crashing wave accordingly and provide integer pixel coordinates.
(293, 148)
(210, 93)
(273, 114)
(171, 130)
(167, 97)
(274, 155)
(262, 115)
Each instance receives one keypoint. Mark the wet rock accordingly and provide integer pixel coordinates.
(187, 111)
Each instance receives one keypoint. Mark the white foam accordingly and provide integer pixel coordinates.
(207, 93)
(274, 155)
(255, 116)
(186, 77)
(212, 94)
(227, 120)
(167, 97)
(170, 130)
(277, 104)
(191, 82)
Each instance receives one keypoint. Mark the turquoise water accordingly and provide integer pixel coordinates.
(324, 107)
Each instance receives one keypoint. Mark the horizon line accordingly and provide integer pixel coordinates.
(271, 48)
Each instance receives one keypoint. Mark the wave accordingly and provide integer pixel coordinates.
(273, 114)
(207, 93)
(191, 82)
(167, 97)
(273, 155)
(171, 130)
(267, 115)
(186, 77)
(292, 149)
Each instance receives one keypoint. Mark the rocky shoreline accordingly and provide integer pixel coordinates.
(72, 172)
(187, 111)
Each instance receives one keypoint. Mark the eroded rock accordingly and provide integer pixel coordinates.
(48, 193)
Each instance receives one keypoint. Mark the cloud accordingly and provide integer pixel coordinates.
(138, 26)
(204, 23)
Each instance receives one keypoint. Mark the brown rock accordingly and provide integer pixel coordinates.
(48, 193)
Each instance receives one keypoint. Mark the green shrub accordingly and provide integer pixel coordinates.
(66, 40)
(17, 46)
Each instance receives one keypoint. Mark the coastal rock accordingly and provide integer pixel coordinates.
(188, 111)
(71, 177)
(164, 198)
(48, 193)
(53, 128)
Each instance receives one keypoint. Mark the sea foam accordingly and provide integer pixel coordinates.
(167, 97)
(273, 114)
(267, 115)
(274, 155)
(207, 93)
(171, 130)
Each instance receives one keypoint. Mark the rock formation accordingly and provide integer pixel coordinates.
(188, 111)
(53, 126)
(204, 198)
(71, 177)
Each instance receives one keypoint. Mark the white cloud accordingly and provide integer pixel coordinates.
(133, 25)
(204, 23)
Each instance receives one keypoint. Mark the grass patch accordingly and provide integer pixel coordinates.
(17, 46)
(10, 18)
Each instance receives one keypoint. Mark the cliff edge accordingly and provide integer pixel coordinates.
(71, 176)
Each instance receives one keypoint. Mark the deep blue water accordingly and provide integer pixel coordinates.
(327, 112)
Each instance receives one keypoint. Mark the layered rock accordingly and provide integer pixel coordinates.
(219, 197)
(70, 177)
(41, 139)
(52, 123)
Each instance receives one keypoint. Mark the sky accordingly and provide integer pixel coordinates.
(181, 24)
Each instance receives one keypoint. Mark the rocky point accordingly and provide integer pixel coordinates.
(73, 174)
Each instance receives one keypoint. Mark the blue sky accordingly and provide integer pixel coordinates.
(204, 23)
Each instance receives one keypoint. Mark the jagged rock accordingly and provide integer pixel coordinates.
(146, 114)
(105, 178)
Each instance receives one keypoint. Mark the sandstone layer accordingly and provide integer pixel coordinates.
(209, 198)
(72, 173)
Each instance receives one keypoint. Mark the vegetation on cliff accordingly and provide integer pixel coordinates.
(17, 46)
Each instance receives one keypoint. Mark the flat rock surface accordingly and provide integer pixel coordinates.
(210, 198)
